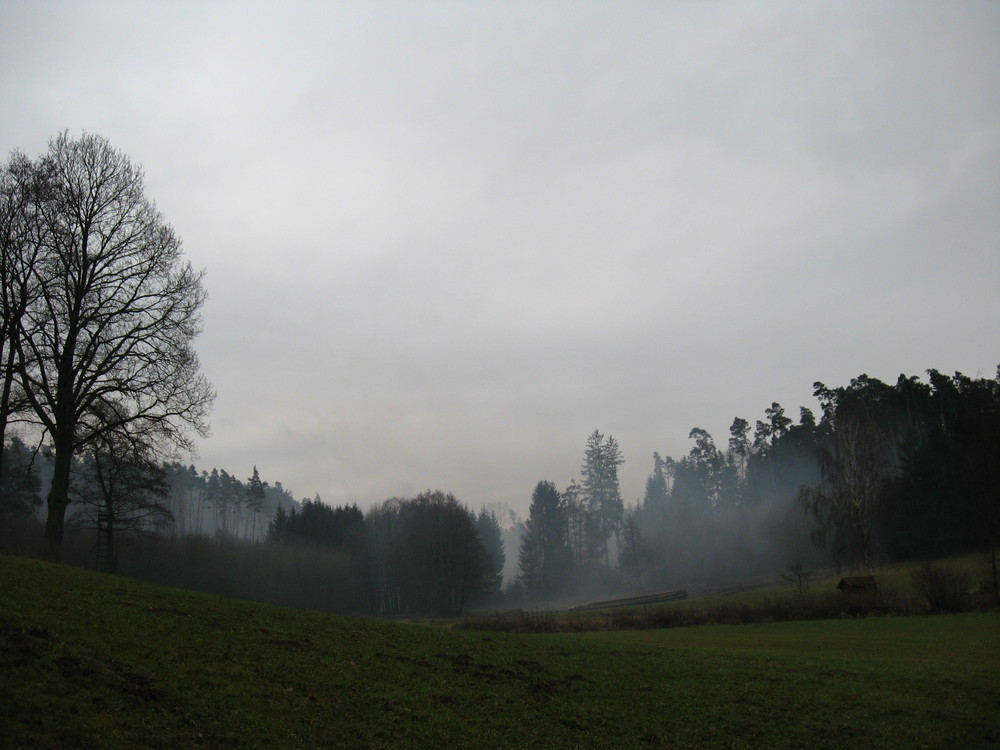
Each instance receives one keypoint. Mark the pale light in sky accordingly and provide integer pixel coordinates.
(445, 241)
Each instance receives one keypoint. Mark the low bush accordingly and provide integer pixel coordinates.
(943, 588)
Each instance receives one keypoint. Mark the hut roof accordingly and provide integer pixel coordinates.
(855, 583)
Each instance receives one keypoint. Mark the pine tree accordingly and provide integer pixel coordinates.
(576, 522)
(656, 496)
(491, 537)
(602, 492)
(255, 490)
(545, 557)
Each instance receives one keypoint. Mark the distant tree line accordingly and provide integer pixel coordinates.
(886, 472)
(406, 556)
(121, 494)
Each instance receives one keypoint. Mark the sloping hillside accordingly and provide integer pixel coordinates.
(89, 660)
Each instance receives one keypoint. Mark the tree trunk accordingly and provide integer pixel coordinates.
(57, 501)
(5, 399)
(110, 531)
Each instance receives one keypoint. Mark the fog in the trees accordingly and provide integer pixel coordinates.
(886, 472)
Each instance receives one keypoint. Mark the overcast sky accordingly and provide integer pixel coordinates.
(445, 241)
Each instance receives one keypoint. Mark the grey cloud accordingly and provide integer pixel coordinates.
(445, 242)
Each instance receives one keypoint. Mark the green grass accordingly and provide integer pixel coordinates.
(89, 660)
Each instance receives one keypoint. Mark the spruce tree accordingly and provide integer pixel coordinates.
(545, 557)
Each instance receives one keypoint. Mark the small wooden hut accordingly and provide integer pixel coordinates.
(856, 584)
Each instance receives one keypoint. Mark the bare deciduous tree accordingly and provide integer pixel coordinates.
(20, 245)
(106, 344)
(120, 488)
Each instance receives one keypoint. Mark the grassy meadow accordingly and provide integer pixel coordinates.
(91, 660)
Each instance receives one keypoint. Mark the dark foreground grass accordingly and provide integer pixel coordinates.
(88, 660)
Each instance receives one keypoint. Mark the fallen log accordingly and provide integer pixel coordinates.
(631, 601)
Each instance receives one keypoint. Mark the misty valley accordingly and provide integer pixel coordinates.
(887, 473)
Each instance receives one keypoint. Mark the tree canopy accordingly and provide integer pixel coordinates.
(100, 309)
